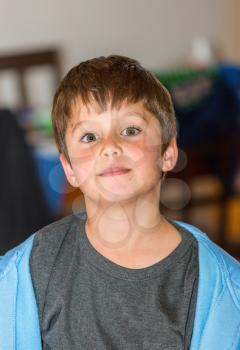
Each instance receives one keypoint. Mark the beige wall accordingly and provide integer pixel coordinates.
(230, 31)
(157, 32)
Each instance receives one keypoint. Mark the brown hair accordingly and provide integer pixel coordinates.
(111, 80)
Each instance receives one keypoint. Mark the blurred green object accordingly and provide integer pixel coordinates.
(41, 120)
(184, 75)
(189, 87)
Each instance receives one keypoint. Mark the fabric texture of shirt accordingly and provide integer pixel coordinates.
(86, 301)
(218, 295)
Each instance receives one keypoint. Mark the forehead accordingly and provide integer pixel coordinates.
(93, 112)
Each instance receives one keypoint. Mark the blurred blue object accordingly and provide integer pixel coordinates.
(211, 128)
(218, 113)
(231, 75)
(52, 178)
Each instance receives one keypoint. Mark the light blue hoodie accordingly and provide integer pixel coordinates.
(217, 318)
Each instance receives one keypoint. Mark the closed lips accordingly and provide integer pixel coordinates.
(114, 171)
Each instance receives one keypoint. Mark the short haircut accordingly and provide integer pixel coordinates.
(111, 81)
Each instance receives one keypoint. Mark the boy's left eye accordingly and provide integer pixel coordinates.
(133, 131)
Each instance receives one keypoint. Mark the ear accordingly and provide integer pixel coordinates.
(69, 172)
(170, 156)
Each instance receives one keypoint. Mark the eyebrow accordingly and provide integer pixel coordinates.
(128, 114)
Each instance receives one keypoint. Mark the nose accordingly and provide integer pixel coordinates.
(111, 147)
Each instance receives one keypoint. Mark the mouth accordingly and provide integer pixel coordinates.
(114, 172)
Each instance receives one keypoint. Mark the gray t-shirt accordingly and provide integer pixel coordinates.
(86, 301)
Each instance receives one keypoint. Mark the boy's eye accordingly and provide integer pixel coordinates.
(88, 137)
(131, 131)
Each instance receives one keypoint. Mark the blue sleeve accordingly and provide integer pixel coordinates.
(19, 323)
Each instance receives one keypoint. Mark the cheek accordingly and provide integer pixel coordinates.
(83, 166)
(80, 157)
(145, 154)
(138, 156)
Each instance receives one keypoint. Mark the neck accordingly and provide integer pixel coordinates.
(127, 225)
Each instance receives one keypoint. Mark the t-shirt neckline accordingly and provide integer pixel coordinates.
(101, 262)
(106, 265)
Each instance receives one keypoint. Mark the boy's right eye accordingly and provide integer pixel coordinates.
(87, 139)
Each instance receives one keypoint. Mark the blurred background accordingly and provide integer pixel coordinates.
(191, 46)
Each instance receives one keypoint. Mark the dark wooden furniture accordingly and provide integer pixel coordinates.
(22, 61)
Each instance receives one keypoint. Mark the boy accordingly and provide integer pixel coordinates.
(120, 275)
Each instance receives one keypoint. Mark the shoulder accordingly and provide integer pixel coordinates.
(15, 256)
(52, 233)
(57, 230)
(215, 255)
(49, 240)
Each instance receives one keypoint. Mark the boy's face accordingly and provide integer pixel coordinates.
(129, 139)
